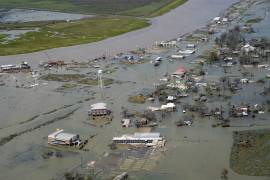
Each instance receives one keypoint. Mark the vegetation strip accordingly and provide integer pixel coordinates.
(250, 152)
(29, 120)
(97, 7)
(174, 4)
(61, 33)
(7, 139)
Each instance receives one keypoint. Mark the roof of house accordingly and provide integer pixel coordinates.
(66, 136)
(168, 105)
(187, 51)
(98, 106)
(180, 71)
(6, 66)
(146, 135)
(61, 135)
(247, 48)
(52, 135)
(139, 135)
(216, 19)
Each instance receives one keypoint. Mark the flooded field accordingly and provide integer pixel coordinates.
(177, 22)
(32, 105)
(23, 15)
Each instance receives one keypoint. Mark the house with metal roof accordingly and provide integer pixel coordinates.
(99, 109)
(148, 139)
(59, 137)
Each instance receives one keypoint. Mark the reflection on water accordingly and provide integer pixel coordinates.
(22, 15)
(13, 34)
(186, 18)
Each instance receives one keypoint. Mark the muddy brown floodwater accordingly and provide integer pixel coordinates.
(28, 115)
(184, 19)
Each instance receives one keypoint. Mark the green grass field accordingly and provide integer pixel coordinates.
(254, 21)
(172, 5)
(59, 34)
(154, 9)
(250, 154)
(2, 37)
(112, 7)
(79, 6)
(52, 34)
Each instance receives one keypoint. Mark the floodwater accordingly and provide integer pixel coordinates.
(186, 18)
(196, 152)
(24, 15)
(13, 34)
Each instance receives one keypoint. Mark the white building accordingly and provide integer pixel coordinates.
(187, 51)
(192, 46)
(216, 19)
(168, 107)
(247, 48)
(10, 67)
(176, 56)
(59, 137)
(99, 109)
(148, 139)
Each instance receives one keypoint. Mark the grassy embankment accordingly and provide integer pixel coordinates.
(124, 7)
(250, 154)
(254, 21)
(174, 4)
(72, 80)
(139, 99)
(81, 6)
(154, 9)
(2, 38)
(59, 34)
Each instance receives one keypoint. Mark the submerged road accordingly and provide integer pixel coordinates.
(186, 18)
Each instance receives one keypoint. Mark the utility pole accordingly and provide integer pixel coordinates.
(100, 72)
